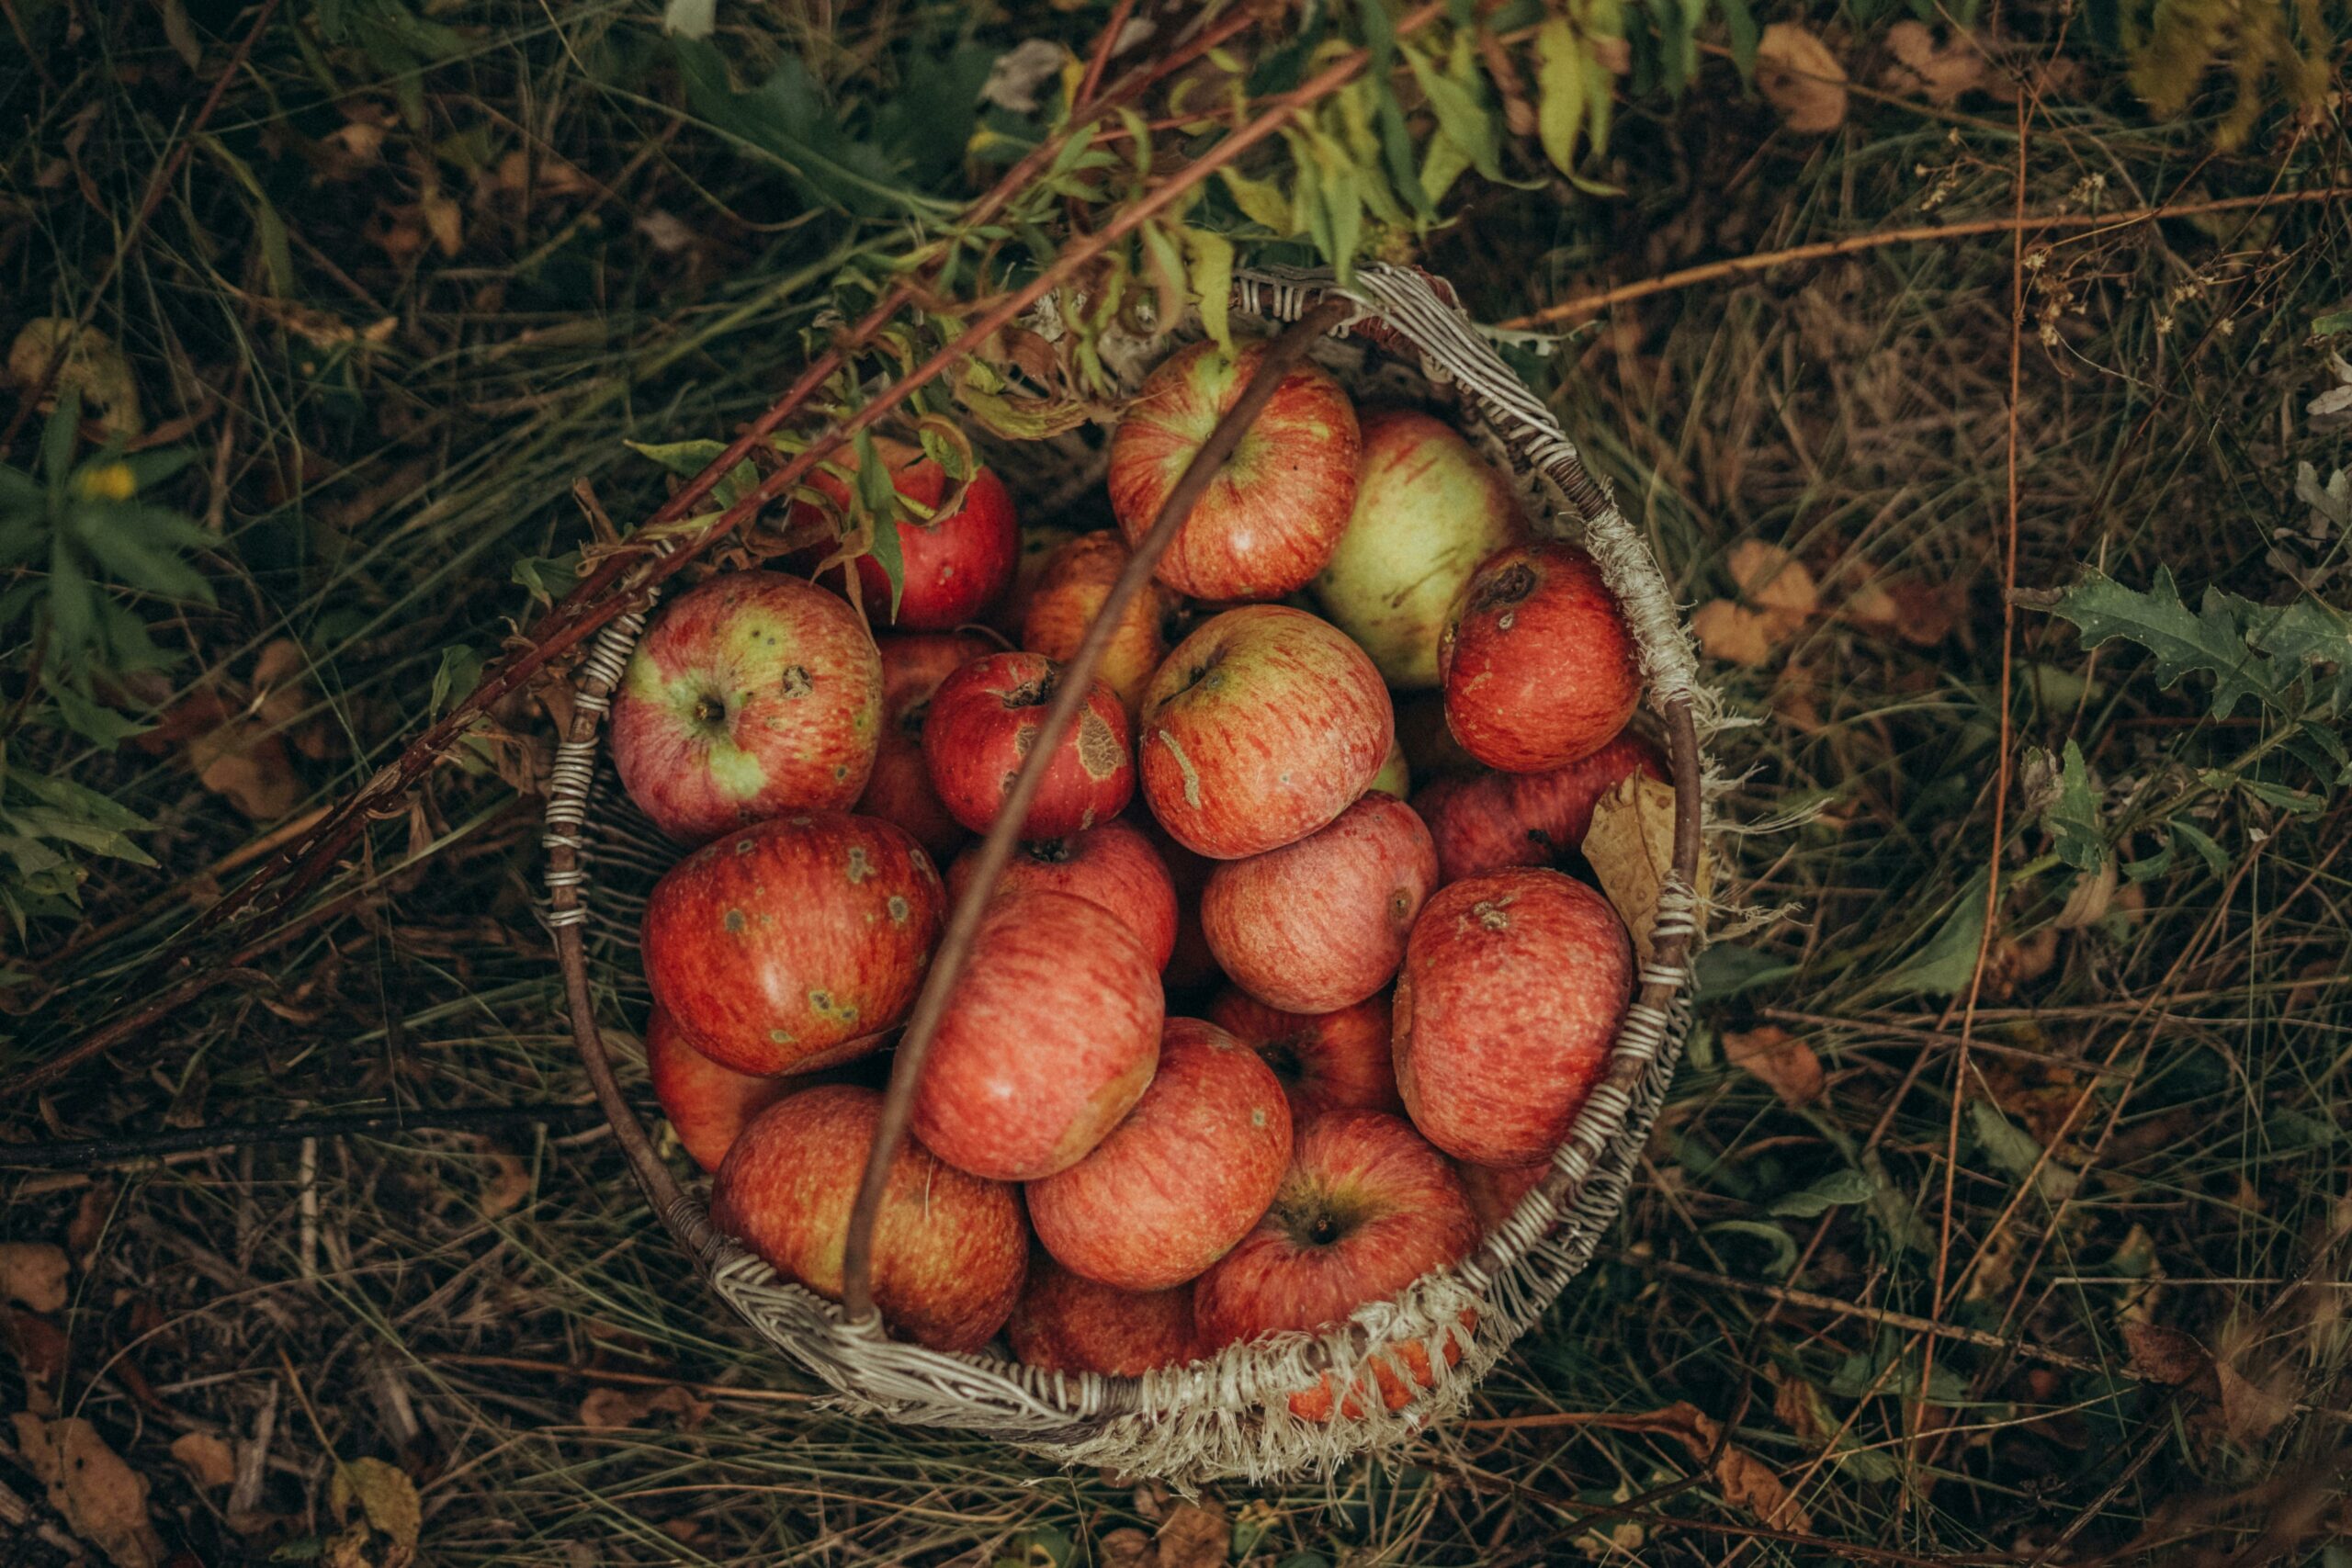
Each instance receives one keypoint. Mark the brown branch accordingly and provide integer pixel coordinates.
(996, 850)
(1738, 266)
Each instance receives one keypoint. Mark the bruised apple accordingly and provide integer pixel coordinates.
(1182, 1179)
(1510, 997)
(1049, 1037)
(1320, 924)
(983, 724)
(1538, 665)
(1067, 1323)
(1331, 1061)
(913, 664)
(949, 1250)
(752, 695)
(1113, 865)
(1074, 583)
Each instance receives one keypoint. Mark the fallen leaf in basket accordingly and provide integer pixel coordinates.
(1630, 847)
(382, 1517)
(1784, 1063)
(1941, 74)
(1799, 77)
(2165, 1355)
(34, 1272)
(612, 1407)
(208, 1461)
(100, 1498)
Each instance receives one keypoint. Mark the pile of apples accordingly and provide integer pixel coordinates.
(1404, 1005)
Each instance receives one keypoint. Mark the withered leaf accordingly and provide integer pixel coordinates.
(1785, 1064)
(383, 1517)
(208, 1461)
(605, 1409)
(1735, 634)
(1941, 73)
(34, 1272)
(2165, 1355)
(1799, 77)
(1630, 847)
(100, 1498)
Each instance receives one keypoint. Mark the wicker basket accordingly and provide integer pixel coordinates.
(1227, 1417)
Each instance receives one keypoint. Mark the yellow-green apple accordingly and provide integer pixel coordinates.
(1485, 821)
(1495, 1191)
(1049, 1036)
(1394, 777)
(955, 566)
(913, 664)
(752, 696)
(949, 1250)
(1429, 509)
(1508, 1000)
(1540, 667)
(982, 726)
(1260, 727)
(1111, 864)
(1071, 589)
(1331, 1061)
(1270, 518)
(1178, 1180)
(1067, 1323)
(707, 1103)
(1320, 924)
(1367, 1207)
(791, 943)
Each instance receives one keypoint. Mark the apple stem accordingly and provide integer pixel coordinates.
(996, 850)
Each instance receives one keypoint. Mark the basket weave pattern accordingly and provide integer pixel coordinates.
(1228, 1415)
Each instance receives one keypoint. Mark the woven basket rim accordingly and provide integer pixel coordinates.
(1400, 313)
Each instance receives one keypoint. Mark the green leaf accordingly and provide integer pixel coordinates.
(1782, 1247)
(1210, 259)
(880, 501)
(1848, 1186)
(688, 458)
(1944, 967)
(1455, 97)
(1740, 24)
(1726, 969)
(73, 602)
(459, 674)
(2289, 800)
(57, 437)
(101, 726)
(1261, 201)
(2211, 852)
(1560, 84)
(135, 562)
(788, 119)
(2012, 1149)
(2212, 641)
(553, 576)
(2072, 819)
(2150, 867)
(86, 804)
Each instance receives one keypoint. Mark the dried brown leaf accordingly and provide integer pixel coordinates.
(1747, 1483)
(92, 366)
(41, 1351)
(1126, 1547)
(2249, 1410)
(91, 1212)
(100, 1498)
(2165, 1355)
(1799, 77)
(1735, 634)
(1630, 847)
(34, 1272)
(1194, 1537)
(1785, 1064)
(1773, 581)
(1941, 74)
(613, 1407)
(507, 1183)
(383, 1517)
(246, 764)
(446, 221)
(208, 1460)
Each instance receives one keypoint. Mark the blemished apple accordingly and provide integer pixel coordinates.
(955, 566)
(1269, 519)
(1111, 864)
(1260, 727)
(1429, 509)
(1050, 1036)
(1540, 667)
(1512, 991)
(752, 695)
(1178, 1180)
(1487, 821)
(1331, 1061)
(1494, 1191)
(1394, 776)
(913, 664)
(950, 1250)
(1367, 1207)
(1072, 586)
(1320, 924)
(1067, 1323)
(983, 723)
(708, 1104)
(789, 944)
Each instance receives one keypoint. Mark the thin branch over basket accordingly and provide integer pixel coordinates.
(1230, 1416)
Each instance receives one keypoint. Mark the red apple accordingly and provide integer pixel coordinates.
(1113, 865)
(1332, 1061)
(1494, 1191)
(1486, 822)
(1270, 518)
(1191, 972)
(1182, 1177)
(1320, 924)
(912, 667)
(1067, 1323)
(984, 719)
(791, 943)
(1049, 1037)
(949, 1250)
(1261, 726)
(1428, 510)
(1513, 988)
(1539, 664)
(1367, 1207)
(1039, 541)
(956, 565)
(1071, 589)
(752, 696)
(707, 1103)
(1394, 776)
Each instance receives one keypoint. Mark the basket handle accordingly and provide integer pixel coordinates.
(996, 849)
